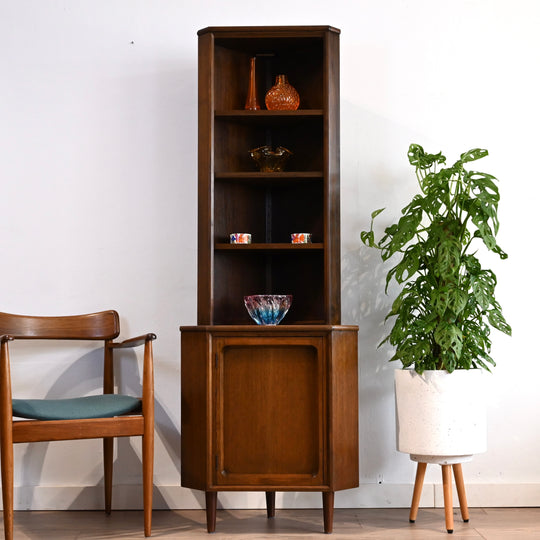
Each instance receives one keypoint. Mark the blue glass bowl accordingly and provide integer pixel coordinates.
(268, 309)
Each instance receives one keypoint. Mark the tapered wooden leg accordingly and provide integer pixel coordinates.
(7, 485)
(211, 505)
(270, 504)
(6, 440)
(417, 492)
(148, 479)
(108, 450)
(328, 511)
(460, 487)
(148, 436)
(447, 492)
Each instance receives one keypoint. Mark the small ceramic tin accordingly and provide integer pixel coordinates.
(240, 238)
(301, 238)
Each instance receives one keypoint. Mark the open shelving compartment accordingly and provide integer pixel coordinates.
(235, 197)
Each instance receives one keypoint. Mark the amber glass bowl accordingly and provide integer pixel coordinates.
(268, 160)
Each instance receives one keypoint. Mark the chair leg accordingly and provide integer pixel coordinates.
(447, 492)
(418, 484)
(460, 487)
(7, 483)
(108, 451)
(148, 479)
(148, 436)
(6, 440)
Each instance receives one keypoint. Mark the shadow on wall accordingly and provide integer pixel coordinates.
(375, 174)
(364, 301)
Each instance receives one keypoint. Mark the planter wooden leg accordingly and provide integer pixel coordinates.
(211, 505)
(447, 492)
(418, 484)
(270, 504)
(460, 487)
(328, 511)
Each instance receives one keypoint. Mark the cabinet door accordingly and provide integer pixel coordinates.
(270, 411)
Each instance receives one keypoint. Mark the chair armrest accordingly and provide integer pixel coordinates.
(132, 342)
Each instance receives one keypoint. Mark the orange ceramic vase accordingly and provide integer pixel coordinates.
(282, 96)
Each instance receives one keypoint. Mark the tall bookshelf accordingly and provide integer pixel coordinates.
(269, 408)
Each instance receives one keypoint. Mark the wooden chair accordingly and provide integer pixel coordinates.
(104, 416)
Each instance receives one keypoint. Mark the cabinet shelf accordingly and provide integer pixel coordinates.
(238, 132)
(263, 113)
(289, 175)
(269, 247)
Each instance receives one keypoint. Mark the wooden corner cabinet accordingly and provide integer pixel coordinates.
(269, 408)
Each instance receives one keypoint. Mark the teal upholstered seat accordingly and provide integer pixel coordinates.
(100, 406)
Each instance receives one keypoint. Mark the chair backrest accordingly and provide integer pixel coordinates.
(102, 325)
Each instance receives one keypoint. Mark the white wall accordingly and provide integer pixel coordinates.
(98, 160)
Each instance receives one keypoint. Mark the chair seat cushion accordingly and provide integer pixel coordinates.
(100, 406)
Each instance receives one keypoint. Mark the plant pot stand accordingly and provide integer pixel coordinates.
(441, 419)
(447, 466)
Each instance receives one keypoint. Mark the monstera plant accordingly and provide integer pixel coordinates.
(446, 308)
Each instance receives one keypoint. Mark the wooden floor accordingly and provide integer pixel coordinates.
(485, 523)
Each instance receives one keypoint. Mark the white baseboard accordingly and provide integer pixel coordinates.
(366, 496)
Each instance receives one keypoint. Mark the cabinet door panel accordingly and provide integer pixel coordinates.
(269, 412)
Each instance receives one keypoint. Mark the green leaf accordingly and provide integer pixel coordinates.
(482, 295)
(368, 238)
(449, 361)
(449, 298)
(439, 301)
(416, 204)
(448, 258)
(487, 236)
(473, 155)
(457, 300)
(409, 265)
(497, 320)
(483, 287)
(472, 264)
(419, 159)
(449, 337)
(482, 213)
(485, 183)
(500, 252)
(406, 230)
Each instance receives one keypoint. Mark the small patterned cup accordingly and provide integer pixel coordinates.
(240, 238)
(301, 238)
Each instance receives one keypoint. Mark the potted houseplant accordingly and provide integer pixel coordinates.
(445, 310)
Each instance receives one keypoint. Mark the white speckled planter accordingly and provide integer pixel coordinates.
(440, 416)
